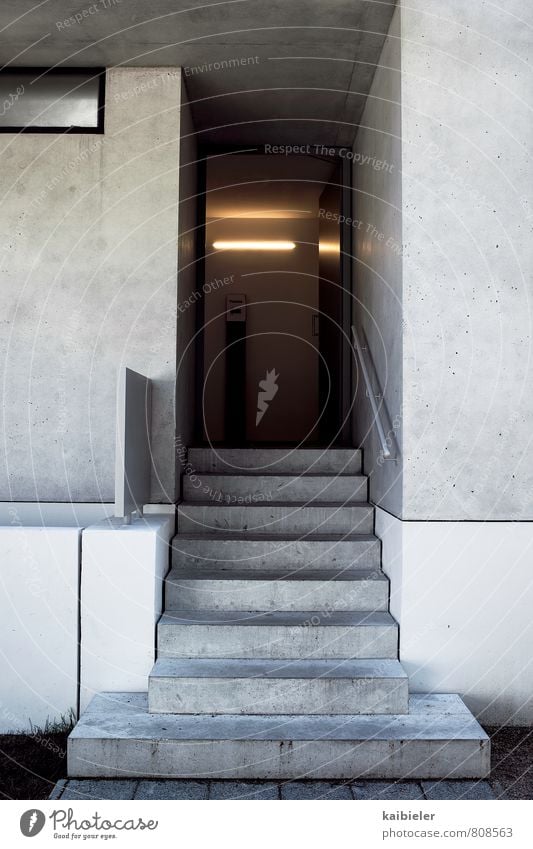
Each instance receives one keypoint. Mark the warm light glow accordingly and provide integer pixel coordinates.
(329, 247)
(250, 245)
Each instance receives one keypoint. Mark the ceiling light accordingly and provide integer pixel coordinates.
(251, 245)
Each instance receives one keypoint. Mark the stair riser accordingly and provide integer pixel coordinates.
(274, 554)
(275, 461)
(248, 489)
(263, 759)
(278, 641)
(277, 595)
(287, 696)
(274, 519)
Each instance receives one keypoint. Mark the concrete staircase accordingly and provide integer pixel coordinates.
(277, 656)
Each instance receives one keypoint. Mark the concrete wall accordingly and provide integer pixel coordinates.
(463, 594)
(447, 312)
(377, 268)
(187, 282)
(467, 93)
(89, 281)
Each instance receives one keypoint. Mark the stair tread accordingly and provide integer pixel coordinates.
(310, 536)
(251, 473)
(124, 716)
(288, 618)
(295, 505)
(274, 669)
(180, 573)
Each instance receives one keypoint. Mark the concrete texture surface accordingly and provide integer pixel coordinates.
(256, 488)
(285, 461)
(261, 90)
(271, 687)
(321, 551)
(89, 283)
(268, 790)
(117, 736)
(377, 269)
(467, 197)
(355, 589)
(229, 633)
(276, 518)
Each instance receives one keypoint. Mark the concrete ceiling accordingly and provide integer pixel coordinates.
(301, 68)
(249, 186)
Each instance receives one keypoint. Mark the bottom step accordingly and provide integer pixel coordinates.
(117, 737)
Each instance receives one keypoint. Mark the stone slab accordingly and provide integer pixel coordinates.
(263, 590)
(276, 460)
(117, 735)
(98, 790)
(229, 686)
(458, 790)
(288, 634)
(258, 488)
(387, 790)
(229, 550)
(302, 790)
(235, 790)
(276, 518)
(184, 790)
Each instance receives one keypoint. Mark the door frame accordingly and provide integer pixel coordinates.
(205, 152)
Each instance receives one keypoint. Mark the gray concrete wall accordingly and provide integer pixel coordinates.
(188, 287)
(88, 282)
(467, 92)
(377, 266)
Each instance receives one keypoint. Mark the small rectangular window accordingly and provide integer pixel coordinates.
(40, 100)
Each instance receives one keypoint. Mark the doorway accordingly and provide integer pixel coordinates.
(271, 342)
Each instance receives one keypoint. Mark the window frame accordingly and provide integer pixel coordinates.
(39, 71)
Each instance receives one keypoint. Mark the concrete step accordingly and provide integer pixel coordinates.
(277, 687)
(258, 488)
(117, 736)
(283, 460)
(292, 635)
(220, 589)
(276, 518)
(292, 553)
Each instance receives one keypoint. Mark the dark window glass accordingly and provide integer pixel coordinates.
(37, 100)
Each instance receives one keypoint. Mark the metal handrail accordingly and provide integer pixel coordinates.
(358, 348)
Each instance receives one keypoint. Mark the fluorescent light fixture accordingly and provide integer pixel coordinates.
(253, 245)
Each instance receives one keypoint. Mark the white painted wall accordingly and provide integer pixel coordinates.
(122, 573)
(377, 268)
(89, 282)
(463, 594)
(39, 574)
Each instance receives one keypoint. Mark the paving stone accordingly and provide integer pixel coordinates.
(399, 790)
(315, 790)
(243, 790)
(58, 789)
(89, 789)
(458, 790)
(171, 790)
